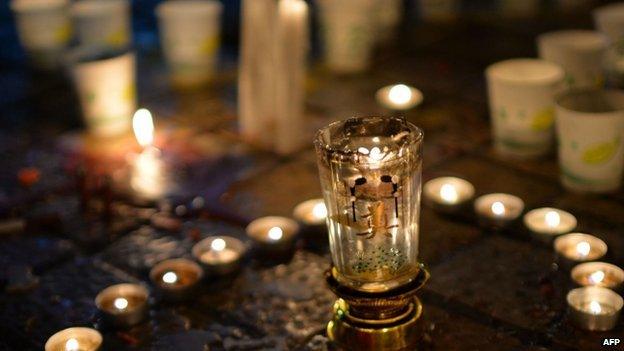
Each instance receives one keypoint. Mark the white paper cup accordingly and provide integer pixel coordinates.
(438, 10)
(389, 14)
(348, 29)
(190, 36)
(521, 96)
(579, 52)
(609, 19)
(44, 29)
(590, 128)
(106, 86)
(103, 23)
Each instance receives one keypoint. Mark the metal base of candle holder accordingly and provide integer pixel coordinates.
(389, 320)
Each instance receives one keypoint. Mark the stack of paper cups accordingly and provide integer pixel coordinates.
(348, 31)
(44, 29)
(103, 23)
(190, 36)
(579, 52)
(521, 96)
(609, 19)
(106, 87)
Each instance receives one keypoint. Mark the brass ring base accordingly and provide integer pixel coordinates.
(389, 321)
(399, 335)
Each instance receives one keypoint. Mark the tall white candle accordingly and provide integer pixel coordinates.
(291, 51)
(256, 88)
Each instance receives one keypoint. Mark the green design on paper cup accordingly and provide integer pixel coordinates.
(574, 178)
(569, 80)
(129, 92)
(502, 113)
(209, 45)
(520, 146)
(103, 120)
(601, 152)
(543, 120)
(117, 38)
(63, 33)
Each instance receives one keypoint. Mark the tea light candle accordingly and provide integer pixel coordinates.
(273, 234)
(176, 279)
(498, 209)
(600, 274)
(448, 193)
(123, 305)
(75, 339)
(549, 222)
(311, 212)
(594, 308)
(399, 97)
(219, 254)
(579, 247)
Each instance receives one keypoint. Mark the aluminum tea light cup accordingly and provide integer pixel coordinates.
(312, 218)
(498, 210)
(75, 339)
(546, 223)
(123, 305)
(448, 194)
(601, 274)
(575, 248)
(273, 235)
(219, 255)
(176, 279)
(594, 308)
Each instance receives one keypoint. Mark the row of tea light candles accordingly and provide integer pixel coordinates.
(125, 305)
(593, 306)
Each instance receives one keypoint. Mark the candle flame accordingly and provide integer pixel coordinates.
(72, 345)
(143, 127)
(498, 208)
(376, 139)
(170, 277)
(597, 277)
(400, 94)
(218, 244)
(120, 303)
(319, 210)
(363, 150)
(552, 219)
(448, 193)
(275, 233)
(583, 248)
(595, 307)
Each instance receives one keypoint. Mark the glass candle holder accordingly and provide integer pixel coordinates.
(370, 170)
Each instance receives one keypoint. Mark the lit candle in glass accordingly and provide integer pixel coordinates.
(498, 210)
(273, 234)
(176, 279)
(123, 305)
(448, 194)
(219, 254)
(148, 178)
(601, 274)
(594, 308)
(399, 97)
(549, 222)
(75, 339)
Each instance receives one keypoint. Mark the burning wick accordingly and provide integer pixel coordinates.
(597, 277)
(552, 219)
(583, 248)
(498, 208)
(170, 278)
(218, 244)
(72, 345)
(400, 94)
(595, 307)
(319, 210)
(448, 193)
(376, 154)
(275, 233)
(120, 303)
